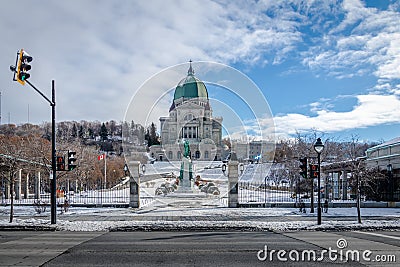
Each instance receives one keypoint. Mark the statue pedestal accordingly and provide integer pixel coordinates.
(186, 177)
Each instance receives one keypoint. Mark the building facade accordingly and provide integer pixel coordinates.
(254, 151)
(190, 118)
(386, 158)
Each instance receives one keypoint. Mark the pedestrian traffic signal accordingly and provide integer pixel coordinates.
(71, 160)
(314, 171)
(303, 167)
(23, 67)
(60, 166)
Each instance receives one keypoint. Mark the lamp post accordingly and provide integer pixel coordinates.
(390, 174)
(265, 191)
(318, 147)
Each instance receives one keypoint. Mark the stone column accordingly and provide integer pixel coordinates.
(37, 186)
(326, 195)
(6, 188)
(233, 178)
(26, 191)
(134, 199)
(18, 185)
(335, 181)
(344, 185)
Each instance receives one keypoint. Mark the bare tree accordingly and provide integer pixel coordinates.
(355, 151)
(12, 150)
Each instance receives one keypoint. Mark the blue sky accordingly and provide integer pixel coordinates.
(329, 66)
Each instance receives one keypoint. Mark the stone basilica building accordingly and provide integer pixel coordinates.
(190, 118)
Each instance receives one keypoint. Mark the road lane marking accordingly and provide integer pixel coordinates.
(380, 235)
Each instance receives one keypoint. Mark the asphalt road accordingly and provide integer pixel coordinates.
(197, 248)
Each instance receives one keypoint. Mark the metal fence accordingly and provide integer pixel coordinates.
(103, 197)
(259, 193)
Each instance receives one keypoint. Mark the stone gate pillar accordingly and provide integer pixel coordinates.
(134, 198)
(233, 177)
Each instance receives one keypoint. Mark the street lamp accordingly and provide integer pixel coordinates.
(126, 169)
(225, 169)
(389, 167)
(318, 147)
(241, 168)
(143, 168)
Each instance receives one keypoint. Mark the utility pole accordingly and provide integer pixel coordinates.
(0, 107)
(53, 196)
(53, 154)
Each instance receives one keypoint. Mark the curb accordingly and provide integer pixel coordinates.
(28, 228)
(259, 228)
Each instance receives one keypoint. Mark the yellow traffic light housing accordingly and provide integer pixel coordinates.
(23, 67)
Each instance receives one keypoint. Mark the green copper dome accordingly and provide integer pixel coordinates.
(190, 87)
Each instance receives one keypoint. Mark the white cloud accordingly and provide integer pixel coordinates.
(100, 52)
(371, 110)
(365, 41)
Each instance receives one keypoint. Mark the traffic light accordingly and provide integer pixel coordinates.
(60, 166)
(23, 67)
(314, 171)
(71, 160)
(303, 167)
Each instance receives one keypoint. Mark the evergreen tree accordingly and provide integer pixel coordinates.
(153, 134)
(103, 132)
(74, 131)
(91, 133)
(147, 138)
(80, 132)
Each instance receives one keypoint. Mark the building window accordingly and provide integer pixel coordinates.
(194, 132)
(170, 155)
(188, 117)
(179, 155)
(206, 155)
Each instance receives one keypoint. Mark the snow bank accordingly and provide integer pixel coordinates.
(64, 225)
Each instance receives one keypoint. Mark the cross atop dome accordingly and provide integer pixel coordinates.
(190, 71)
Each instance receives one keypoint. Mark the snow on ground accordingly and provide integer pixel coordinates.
(65, 225)
(126, 219)
(174, 211)
(223, 225)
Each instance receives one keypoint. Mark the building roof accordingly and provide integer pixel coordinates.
(395, 141)
(190, 87)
